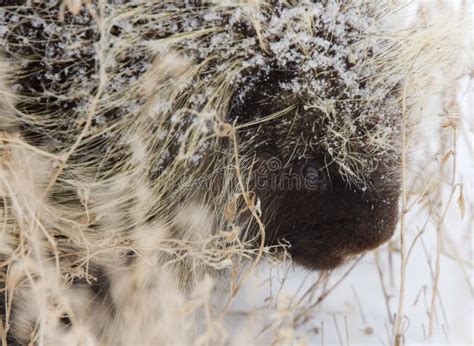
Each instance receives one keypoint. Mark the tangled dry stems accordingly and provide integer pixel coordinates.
(30, 224)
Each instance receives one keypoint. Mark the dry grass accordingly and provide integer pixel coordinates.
(40, 264)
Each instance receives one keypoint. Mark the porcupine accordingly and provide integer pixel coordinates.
(193, 135)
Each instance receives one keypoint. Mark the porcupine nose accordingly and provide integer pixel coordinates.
(326, 220)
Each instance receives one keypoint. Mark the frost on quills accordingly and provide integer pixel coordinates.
(152, 153)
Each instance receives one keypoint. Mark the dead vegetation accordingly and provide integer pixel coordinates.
(46, 244)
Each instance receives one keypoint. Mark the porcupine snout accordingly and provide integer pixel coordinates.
(310, 198)
(324, 219)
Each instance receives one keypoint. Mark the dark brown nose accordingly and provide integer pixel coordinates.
(327, 221)
(349, 227)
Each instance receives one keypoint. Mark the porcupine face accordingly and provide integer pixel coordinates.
(307, 90)
(326, 168)
(305, 199)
